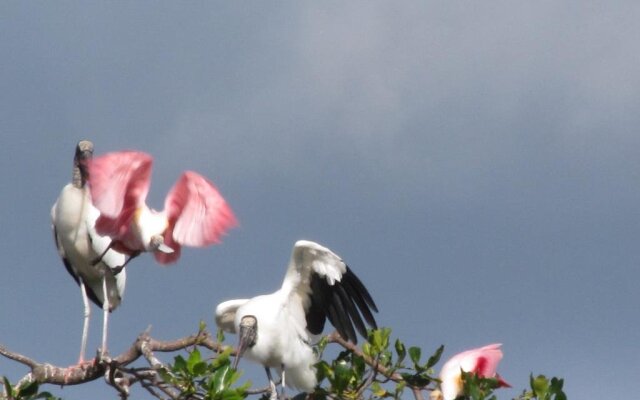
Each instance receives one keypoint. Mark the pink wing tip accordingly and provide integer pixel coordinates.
(202, 216)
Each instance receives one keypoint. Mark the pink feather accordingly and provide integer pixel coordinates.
(198, 214)
(119, 181)
(482, 361)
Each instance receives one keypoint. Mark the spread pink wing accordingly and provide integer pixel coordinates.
(198, 214)
(119, 183)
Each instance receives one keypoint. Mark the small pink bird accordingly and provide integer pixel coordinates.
(195, 213)
(482, 361)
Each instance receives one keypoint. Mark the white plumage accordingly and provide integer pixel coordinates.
(73, 221)
(277, 330)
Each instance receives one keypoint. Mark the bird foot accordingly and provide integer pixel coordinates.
(102, 356)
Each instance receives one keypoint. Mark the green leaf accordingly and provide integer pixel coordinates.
(367, 350)
(179, 364)
(222, 358)
(28, 390)
(342, 376)
(8, 390)
(414, 354)
(220, 336)
(401, 351)
(220, 378)
(323, 370)
(47, 396)
(378, 390)
(433, 360)
(318, 349)
(540, 386)
(358, 366)
(194, 358)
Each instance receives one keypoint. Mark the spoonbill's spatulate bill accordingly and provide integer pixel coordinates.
(195, 213)
(73, 220)
(277, 330)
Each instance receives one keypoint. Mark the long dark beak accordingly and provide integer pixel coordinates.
(84, 154)
(247, 338)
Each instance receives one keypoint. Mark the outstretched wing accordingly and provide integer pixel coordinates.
(119, 180)
(198, 214)
(329, 290)
(119, 183)
(226, 314)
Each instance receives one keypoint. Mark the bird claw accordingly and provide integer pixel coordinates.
(102, 356)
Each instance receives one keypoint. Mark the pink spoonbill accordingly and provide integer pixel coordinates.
(482, 361)
(195, 213)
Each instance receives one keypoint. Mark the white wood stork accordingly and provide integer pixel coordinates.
(195, 213)
(73, 221)
(277, 330)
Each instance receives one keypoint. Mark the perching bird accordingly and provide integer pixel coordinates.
(277, 330)
(73, 221)
(195, 213)
(482, 361)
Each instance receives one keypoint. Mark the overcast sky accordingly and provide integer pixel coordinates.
(477, 164)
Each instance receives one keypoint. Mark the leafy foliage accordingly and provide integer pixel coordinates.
(25, 392)
(543, 388)
(376, 370)
(205, 379)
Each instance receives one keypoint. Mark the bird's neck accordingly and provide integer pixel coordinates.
(77, 178)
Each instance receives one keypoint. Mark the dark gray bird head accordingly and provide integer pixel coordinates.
(248, 334)
(84, 153)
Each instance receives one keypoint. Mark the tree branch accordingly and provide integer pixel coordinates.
(144, 346)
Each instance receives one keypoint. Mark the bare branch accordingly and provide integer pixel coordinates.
(144, 346)
(18, 357)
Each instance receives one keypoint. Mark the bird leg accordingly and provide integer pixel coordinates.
(96, 260)
(85, 327)
(105, 317)
(85, 331)
(282, 394)
(117, 270)
(272, 385)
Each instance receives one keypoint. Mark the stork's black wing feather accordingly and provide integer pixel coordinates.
(361, 296)
(346, 326)
(344, 304)
(360, 288)
(316, 314)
